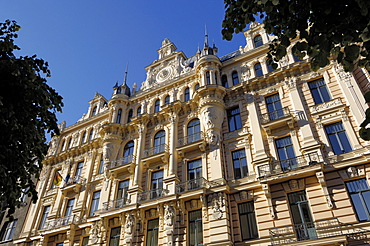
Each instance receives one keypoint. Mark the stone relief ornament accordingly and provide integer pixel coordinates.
(218, 203)
(169, 215)
(164, 74)
(130, 220)
(95, 233)
(246, 73)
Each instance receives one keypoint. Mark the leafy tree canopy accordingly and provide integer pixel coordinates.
(27, 111)
(326, 28)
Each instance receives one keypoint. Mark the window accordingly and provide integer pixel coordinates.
(44, 216)
(296, 58)
(359, 191)
(138, 112)
(195, 228)
(193, 129)
(78, 172)
(235, 78)
(195, 174)
(338, 138)
(258, 69)
(167, 100)
(159, 142)
(69, 143)
(187, 94)
(63, 144)
(224, 81)
(122, 193)
(257, 41)
(8, 230)
(59, 244)
(319, 91)
(84, 137)
(269, 67)
(101, 165)
(119, 115)
(94, 111)
(208, 78)
(85, 241)
(91, 135)
(128, 152)
(274, 107)
(114, 236)
(233, 116)
(196, 86)
(69, 207)
(286, 153)
(152, 233)
(95, 202)
(247, 217)
(240, 164)
(129, 115)
(157, 106)
(156, 184)
(301, 215)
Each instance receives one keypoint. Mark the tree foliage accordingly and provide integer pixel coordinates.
(27, 111)
(328, 29)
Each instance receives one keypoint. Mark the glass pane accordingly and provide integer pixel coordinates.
(359, 207)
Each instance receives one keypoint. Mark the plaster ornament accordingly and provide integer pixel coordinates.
(169, 215)
(246, 73)
(164, 74)
(217, 205)
(95, 233)
(130, 220)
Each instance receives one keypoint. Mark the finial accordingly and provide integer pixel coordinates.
(126, 72)
(206, 36)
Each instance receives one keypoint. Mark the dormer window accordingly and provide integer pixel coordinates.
(257, 41)
(94, 111)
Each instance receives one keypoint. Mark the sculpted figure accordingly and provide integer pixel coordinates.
(129, 224)
(169, 215)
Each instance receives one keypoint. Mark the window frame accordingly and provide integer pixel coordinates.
(338, 138)
(115, 238)
(319, 91)
(69, 207)
(155, 234)
(250, 219)
(235, 77)
(44, 216)
(258, 69)
(157, 106)
(95, 200)
(8, 230)
(119, 116)
(359, 197)
(234, 119)
(243, 169)
(195, 223)
(257, 41)
(186, 94)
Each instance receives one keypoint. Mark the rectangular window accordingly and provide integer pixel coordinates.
(9, 230)
(319, 91)
(78, 172)
(114, 236)
(85, 241)
(45, 214)
(301, 214)
(152, 234)
(95, 203)
(240, 164)
(69, 207)
(195, 228)
(286, 153)
(194, 174)
(233, 116)
(338, 138)
(59, 244)
(359, 191)
(101, 165)
(274, 107)
(248, 224)
(122, 193)
(156, 185)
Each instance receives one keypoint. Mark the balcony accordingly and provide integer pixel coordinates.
(60, 222)
(152, 194)
(194, 184)
(73, 183)
(282, 166)
(115, 204)
(156, 153)
(190, 139)
(191, 142)
(306, 231)
(276, 119)
(124, 163)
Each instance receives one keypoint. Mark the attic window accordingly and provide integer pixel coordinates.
(94, 111)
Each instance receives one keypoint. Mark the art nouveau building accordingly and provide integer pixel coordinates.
(212, 151)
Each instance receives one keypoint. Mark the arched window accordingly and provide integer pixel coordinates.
(119, 115)
(129, 115)
(91, 134)
(167, 100)
(138, 112)
(84, 138)
(258, 69)
(196, 86)
(194, 133)
(208, 78)
(159, 142)
(187, 94)
(235, 78)
(257, 41)
(157, 106)
(224, 81)
(128, 152)
(94, 111)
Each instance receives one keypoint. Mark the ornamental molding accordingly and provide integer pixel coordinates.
(352, 172)
(326, 106)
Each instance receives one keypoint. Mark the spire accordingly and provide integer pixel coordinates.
(205, 37)
(125, 78)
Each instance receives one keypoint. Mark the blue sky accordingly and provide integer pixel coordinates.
(88, 43)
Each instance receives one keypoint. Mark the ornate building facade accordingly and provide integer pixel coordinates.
(212, 151)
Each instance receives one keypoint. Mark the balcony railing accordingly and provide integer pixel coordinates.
(74, 180)
(155, 150)
(122, 161)
(152, 194)
(305, 231)
(192, 184)
(60, 222)
(115, 204)
(275, 115)
(190, 139)
(288, 164)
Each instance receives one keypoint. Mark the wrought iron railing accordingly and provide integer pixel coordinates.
(152, 194)
(155, 150)
(74, 180)
(194, 184)
(275, 115)
(60, 222)
(305, 231)
(115, 204)
(190, 139)
(288, 164)
(122, 161)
